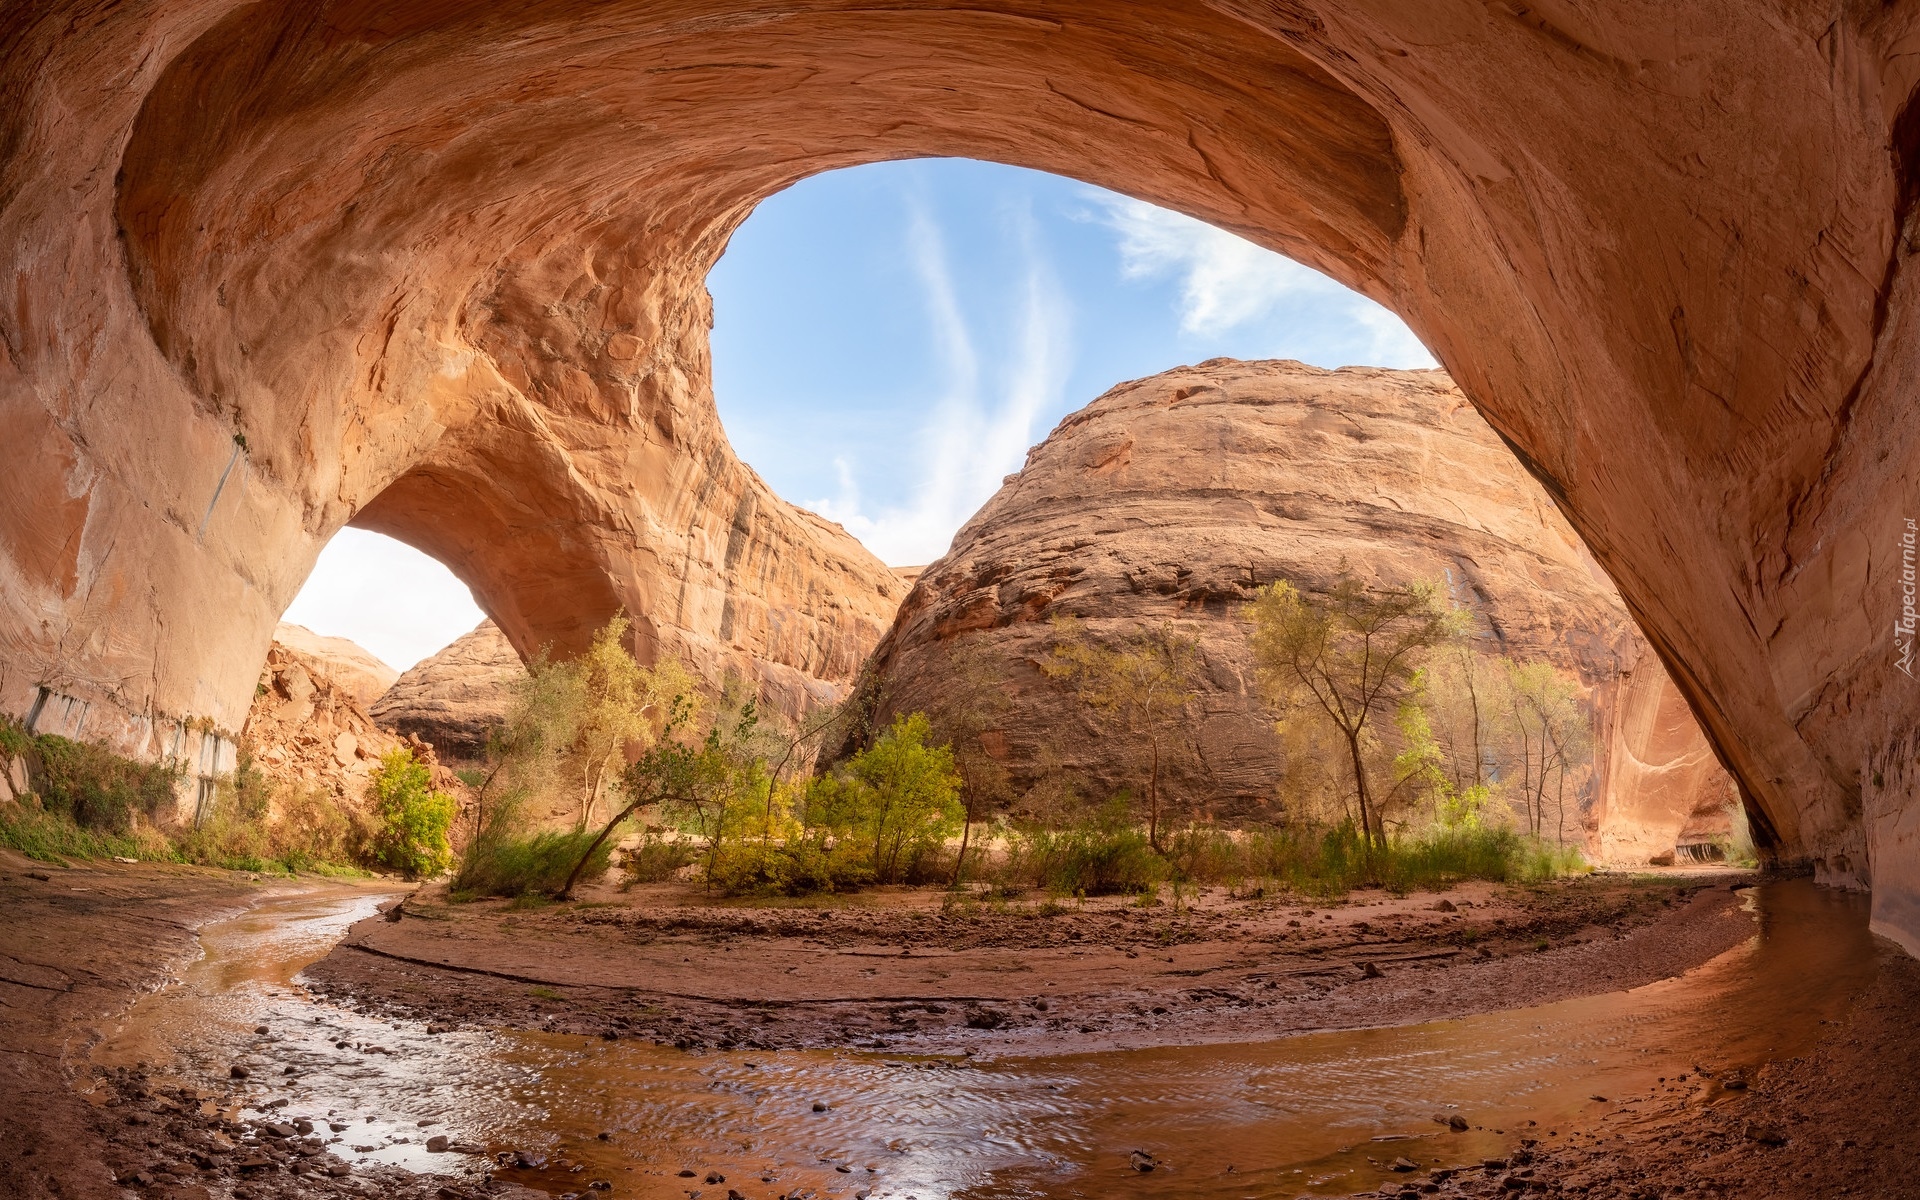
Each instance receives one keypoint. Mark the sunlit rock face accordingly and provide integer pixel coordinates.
(1663, 789)
(438, 269)
(352, 667)
(1174, 498)
(308, 729)
(456, 697)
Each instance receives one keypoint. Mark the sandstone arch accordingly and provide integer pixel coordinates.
(1660, 245)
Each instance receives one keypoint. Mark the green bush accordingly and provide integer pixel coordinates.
(54, 838)
(1104, 855)
(312, 831)
(15, 741)
(503, 863)
(901, 798)
(411, 820)
(91, 803)
(97, 788)
(884, 817)
(1331, 862)
(656, 859)
(1107, 854)
(799, 866)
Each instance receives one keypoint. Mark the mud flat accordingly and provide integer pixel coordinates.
(655, 1043)
(1804, 1118)
(917, 971)
(81, 949)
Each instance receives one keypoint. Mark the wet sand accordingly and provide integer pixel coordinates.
(79, 946)
(913, 972)
(1834, 1121)
(976, 985)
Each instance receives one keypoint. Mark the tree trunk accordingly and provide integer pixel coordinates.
(1473, 698)
(1153, 796)
(1360, 787)
(1526, 769)
(1560, 800)
(966, 832)
(573, 876)
(593, 795)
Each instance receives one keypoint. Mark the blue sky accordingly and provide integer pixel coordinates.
(890, 339)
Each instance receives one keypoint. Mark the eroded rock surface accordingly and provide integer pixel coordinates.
(350, 666)
(1174, 498)
(309, 729)
(437, 269)
(454, 697)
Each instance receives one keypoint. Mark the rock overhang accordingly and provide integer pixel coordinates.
(387, 246)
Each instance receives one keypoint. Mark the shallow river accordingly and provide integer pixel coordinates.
(1319, 1113)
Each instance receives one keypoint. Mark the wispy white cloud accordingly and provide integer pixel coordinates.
(983, 421)
(1226, 283)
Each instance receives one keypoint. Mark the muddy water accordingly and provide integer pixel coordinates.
(1320, 1113)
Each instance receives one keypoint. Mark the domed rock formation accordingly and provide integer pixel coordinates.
(351, 668)
(1175, 497)
(437, 269)
(455, 697)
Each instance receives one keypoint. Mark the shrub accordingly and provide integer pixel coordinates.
(97, 788)
(504, 863)
(656, 859)
(15, 741)
(902, 800)
(1104, 855)
(411, 819)
(51, 837)
(797, 867)
(885, 816)
(1203, 854)
(311, 832)
(1330, 862)
(94, 804)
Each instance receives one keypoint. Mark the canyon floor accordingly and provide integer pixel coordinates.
(924, 972)
(918, 973)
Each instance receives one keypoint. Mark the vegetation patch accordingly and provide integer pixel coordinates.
(411, 819)
(504, 862)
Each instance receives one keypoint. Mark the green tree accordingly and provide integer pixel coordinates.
(1353, 655)
(525, 755)
(1139, 688)
(411, 818)
(571, 728)
(1465, 697)
(677, 770)
(973, 709)
(1553, 736)
(791, 759)
(620, 704)
(909, 794)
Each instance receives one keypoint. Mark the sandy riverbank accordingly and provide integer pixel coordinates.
(917, 972)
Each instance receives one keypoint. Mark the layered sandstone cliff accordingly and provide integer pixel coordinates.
(275, 268)
(453, 699)
(1175, 497)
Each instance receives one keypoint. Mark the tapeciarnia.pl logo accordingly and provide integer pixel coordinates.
(1904, 626)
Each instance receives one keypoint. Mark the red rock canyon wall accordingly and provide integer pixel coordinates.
(437, 269)
(1173, 498)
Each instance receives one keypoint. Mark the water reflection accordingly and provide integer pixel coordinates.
(1317, 1112)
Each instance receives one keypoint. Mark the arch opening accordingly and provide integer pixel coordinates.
(1718, 430)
